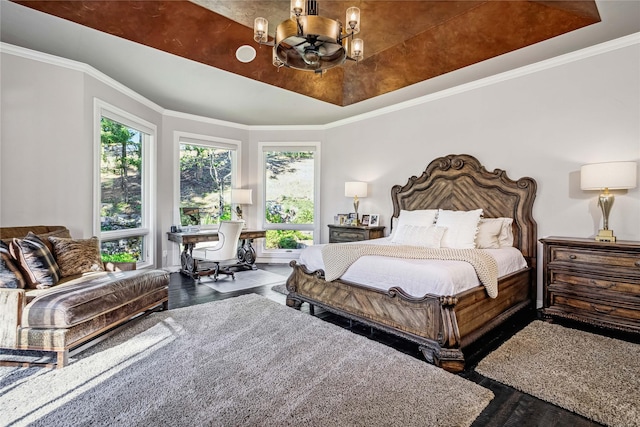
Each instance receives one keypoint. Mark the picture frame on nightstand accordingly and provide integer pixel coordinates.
(365, 220)
(374, 220)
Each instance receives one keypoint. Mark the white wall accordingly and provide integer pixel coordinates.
(46, 163)
(544, 124)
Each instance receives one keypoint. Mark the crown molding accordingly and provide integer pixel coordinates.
(78, 66)
(622, 42)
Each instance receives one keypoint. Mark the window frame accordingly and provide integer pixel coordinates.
(149, 179)
(261, 250)
(180, 137)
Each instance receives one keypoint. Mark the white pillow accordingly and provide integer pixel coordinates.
(419, 235)
(425, 217)
(506, 235)
(488, 233)
(462, 227)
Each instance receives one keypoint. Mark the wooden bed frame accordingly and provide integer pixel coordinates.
(442, 326)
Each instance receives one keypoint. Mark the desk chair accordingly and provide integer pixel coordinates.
(225, 250)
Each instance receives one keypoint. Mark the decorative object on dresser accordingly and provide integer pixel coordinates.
(239, 197)
(597, 283)
(604, 177)
(353, 233)
(355, 189)
(444, 322)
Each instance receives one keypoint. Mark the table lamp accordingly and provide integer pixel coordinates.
(355, 189)
(605, 177)
(239, 197)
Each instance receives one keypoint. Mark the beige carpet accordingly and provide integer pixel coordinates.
(245, 361)
(595, 376)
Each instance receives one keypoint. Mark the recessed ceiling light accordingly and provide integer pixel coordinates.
(245, 53)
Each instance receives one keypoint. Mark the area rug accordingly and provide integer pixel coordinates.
(245, 279)
(244, 361)
(592, 375)
(281, 288)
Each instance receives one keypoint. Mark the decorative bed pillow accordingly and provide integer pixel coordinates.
(77, 256)
(462, 227)
(506, 234)
(419, 235)
(10, 274)
(36, 262)
(423, 217)
(489, 230)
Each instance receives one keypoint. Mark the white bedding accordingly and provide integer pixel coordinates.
(416, 277)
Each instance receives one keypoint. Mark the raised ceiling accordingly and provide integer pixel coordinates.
(406, 42)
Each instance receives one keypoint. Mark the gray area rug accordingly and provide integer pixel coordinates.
(245, 361)
(594, 376)
(282, 289)
(246, 279)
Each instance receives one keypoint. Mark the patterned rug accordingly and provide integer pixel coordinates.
(244, 361)
(592, 375)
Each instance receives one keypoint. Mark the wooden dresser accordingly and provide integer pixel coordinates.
(354, 233)
(593, 282)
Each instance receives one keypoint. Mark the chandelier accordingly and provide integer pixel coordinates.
(311, 42)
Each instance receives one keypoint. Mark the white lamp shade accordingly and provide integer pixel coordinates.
(611, 175)
(241, 196)
(355, 188)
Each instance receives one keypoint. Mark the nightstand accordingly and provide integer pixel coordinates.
(597, 283)
(354, 233)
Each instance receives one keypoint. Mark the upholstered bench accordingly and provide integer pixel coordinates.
(76, 309)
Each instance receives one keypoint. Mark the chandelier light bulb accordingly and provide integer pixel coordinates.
(260, 30)
(297, 8)
(353, 20)
(357, 49)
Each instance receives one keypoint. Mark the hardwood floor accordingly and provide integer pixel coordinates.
(510, 407)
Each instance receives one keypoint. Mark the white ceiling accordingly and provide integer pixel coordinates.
(190, 87)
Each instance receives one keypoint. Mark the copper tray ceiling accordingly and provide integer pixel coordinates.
(406, 42)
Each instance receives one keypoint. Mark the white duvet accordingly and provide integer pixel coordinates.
(416, 277)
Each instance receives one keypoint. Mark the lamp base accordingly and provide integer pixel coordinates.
(605, 236)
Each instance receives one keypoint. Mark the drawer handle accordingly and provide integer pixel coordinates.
(637, 263)
(602, 310)
(572, 257)
(602, 285)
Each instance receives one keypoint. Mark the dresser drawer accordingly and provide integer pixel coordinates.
(594, 282)
(346, 235)
(621, 316)
(602, 258)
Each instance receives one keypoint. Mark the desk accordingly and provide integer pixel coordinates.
(246, 252)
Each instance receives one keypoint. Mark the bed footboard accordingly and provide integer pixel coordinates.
(441, 325)
(430, 321)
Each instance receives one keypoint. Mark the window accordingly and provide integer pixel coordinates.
(208, 172)
(124, 194)
(290, 175)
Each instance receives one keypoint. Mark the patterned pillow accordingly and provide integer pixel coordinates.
(36, 261)
(10, 275)
(77, 256)
(64, 232)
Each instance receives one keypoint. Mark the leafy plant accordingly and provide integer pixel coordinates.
(121, 257)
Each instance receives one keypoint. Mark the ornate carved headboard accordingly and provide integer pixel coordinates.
(460, 182)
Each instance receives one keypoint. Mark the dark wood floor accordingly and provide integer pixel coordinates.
(509, 407)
